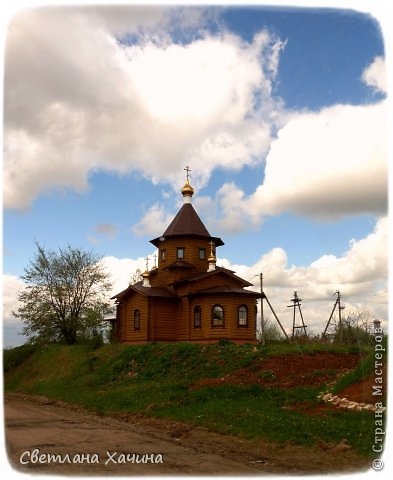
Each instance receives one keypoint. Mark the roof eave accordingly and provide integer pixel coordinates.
(157, 241)
(217, 270)
(246, 293)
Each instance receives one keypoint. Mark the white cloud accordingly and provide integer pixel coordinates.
(154, 222)
(121, 271)
(323, 165)
(12, 285)
(328, 164)
(360, 275)
(375, 75)
(106, 229)
(76, 100)
(232, 208)
(104, 232)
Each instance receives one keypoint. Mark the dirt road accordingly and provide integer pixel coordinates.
(41, 430)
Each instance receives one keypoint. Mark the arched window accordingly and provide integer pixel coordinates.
(137, 320)
(242, 316)
(217, 316)
(197, 317)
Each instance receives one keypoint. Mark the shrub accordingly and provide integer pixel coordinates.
(15, 356)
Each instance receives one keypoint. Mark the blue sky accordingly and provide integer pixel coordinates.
(280, 114)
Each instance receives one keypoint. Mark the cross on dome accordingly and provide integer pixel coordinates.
(188, 170)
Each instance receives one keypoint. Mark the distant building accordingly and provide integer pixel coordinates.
(377, 326)
(186, 297)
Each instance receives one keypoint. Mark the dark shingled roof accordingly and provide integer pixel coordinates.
(225, 289)
(216, 271)
(146, 291)
(179, 264)
(187, 223)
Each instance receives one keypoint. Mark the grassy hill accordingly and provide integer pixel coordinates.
(260, 392)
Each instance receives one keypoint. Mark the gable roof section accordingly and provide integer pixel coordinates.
(218, 270)
(161, 292)
(224, 289)
(187, 223)
(179, 264)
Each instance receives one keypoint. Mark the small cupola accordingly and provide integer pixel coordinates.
(146, 275)
(154, 268)
(146, 281)
(211, 259)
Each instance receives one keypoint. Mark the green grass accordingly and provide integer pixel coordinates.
(363, 369)
(12, 357)
(155, 380)
(257, 412)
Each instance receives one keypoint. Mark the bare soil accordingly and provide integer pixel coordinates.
(363, 391)
(287, 371)
(55, 427)
(312, 369)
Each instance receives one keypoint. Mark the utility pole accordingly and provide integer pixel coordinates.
(340, 308)
(278, 320)
(263, 330)
(339, 316)
(296, 303)
(262, 317)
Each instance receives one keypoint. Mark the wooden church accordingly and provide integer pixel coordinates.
(186, 297)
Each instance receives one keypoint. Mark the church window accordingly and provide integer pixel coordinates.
(163, 255)
(180, 253)
(137, 320)
(197, 316)
(201, 254)
(217, 316)
(242, 320)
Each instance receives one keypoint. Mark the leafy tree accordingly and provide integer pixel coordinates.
(65, 295)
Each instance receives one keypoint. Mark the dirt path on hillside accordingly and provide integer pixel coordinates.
(54, 427)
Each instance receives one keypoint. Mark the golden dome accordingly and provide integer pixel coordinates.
(145, 274)
(211, 258)
(187, 190)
